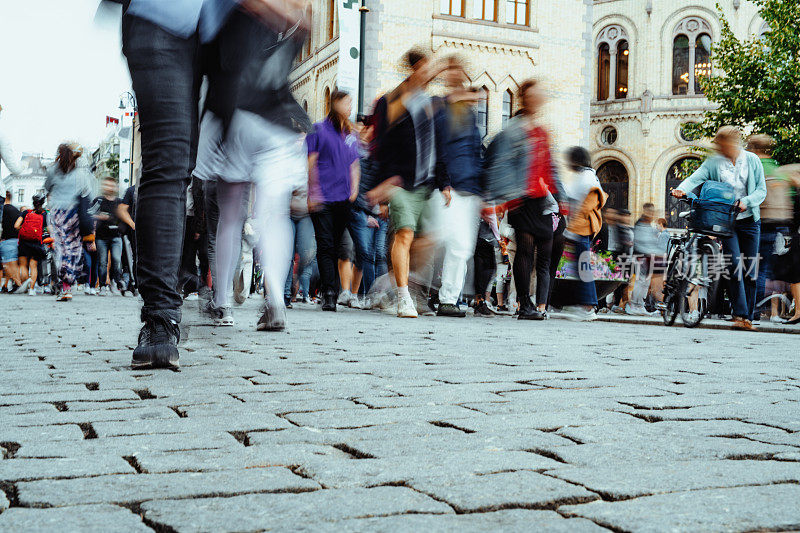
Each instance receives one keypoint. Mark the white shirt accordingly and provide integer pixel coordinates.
(737, 176)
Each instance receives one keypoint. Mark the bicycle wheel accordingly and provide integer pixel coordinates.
(671, 307)
(698, 288)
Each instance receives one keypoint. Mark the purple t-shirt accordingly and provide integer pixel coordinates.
(336, 153)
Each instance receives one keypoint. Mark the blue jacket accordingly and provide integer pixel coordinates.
(756, 183)
(461, 148)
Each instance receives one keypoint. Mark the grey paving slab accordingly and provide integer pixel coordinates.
(286, 511)
(633, 479)
(510, 520)
(88, 518)
(770, 508)
(139, 487)
(13, 470)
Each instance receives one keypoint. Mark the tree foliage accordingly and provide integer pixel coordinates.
(758, 88)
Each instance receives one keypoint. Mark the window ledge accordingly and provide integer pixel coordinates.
(479, 22)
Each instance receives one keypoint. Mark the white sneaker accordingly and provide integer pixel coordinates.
(192, 297)
(636, 310)
(87, 290)
(693, 316)
(31, 292)
(344, 298)
(224, 317)
(354, 302)
(775, 319)
(406, 307)
(22, 289)
(115, 291)
(579, 313)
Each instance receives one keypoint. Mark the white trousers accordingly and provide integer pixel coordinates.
(459, 229)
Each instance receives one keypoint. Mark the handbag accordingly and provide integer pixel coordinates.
(786, 259)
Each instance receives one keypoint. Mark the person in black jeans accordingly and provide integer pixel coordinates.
(168, 51)
(108, 238)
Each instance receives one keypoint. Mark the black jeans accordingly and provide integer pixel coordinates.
(166, 78)
(485, 267)
(532, 252)
(330, 223)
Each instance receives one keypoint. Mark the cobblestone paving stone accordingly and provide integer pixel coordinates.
(357, 421)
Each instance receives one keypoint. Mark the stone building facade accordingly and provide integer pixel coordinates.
(644, 90)
(502, 41)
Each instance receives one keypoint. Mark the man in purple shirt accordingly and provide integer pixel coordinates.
(333, 178)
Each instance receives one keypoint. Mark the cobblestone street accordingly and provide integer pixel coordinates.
(357, 421)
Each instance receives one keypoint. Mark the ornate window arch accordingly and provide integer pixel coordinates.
(691, 55)
(613, 54)
(483, 112)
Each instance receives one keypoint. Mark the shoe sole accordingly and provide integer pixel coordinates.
(157, 357)
(267, 327)
(224, 323)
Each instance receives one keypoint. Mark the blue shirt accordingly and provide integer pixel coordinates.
(184, 18)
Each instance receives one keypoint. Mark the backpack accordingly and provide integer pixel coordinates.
(32, 227)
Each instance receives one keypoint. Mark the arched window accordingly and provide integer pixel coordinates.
(691, 55)
(485, 10)
(680, 65)
(455, 8)
(604, 72)
(679, 171)
(331, 19)
(702, 61)
(508, 104)
(622, 70)
(518, 12)
(327, 101)
(613, 57)
(614, 178)
(483, 113)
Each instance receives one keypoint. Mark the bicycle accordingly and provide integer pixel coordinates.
(694, 265)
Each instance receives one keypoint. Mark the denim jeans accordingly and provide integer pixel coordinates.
(375, 265)
(90, 267)
(306, 248)
(113, 245)
(742, 251)
(766, 248)
(165, 73)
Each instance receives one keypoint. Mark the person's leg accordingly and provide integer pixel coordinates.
(485, 267)
(523, 266)
(555, 256)
(229, 237)
(460, 227)
(738, 298)
(11, 270)
(765, 249)
(749, 234)
(211, 207)
(287, 288)
(544, 250)
(587, 292)
(102, 259)
(167, 92)
(323, 221)
(359, 233)
(306, 248)
(796, 298)
(23, 269)
(116, 262)
(33, 269)
(401, 256)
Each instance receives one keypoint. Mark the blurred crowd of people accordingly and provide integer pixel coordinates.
(404, 209)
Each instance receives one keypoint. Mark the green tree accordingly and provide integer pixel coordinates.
(759, 85)
(112, 166)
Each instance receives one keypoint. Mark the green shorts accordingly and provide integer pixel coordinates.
(408, 209)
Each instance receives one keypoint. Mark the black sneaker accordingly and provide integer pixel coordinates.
(451, 310)
(533, 314)
(329, 302)
(287, 300)
(483, 310)
(271, 319)
(158, 345)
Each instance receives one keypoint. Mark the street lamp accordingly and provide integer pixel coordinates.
(363, 38)
(126, 100)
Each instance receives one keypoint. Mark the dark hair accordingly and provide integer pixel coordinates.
(578, 157)
(414, 56)
(67, 158)
(340, 124)
(9, 195)
(38, 201)
(524, 88)
(662, 221)
(649, 205)
(761, 143)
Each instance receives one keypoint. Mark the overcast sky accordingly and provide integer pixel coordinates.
(61, 73)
